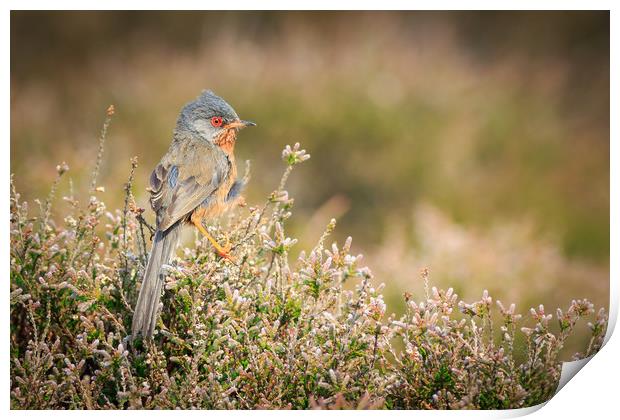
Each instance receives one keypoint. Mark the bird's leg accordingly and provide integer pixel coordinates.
(222, 251)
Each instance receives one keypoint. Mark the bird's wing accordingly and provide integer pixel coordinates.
(185, 178)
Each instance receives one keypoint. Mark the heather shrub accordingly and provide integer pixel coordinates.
(268, 331)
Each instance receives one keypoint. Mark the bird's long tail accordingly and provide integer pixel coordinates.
(147, 307)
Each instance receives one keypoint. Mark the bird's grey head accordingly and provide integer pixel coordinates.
(209, 116)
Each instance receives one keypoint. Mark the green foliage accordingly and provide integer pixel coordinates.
(267, 332)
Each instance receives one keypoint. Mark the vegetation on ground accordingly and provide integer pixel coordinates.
(268, 331)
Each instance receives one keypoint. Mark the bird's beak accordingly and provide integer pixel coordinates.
(240, 124)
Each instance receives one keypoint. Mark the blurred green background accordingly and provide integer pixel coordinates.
(473, 143)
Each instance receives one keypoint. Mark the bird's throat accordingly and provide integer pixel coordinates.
(226, 141)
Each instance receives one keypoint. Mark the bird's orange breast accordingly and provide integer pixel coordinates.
(217, 203)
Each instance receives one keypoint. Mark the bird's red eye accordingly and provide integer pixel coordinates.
(216, 121)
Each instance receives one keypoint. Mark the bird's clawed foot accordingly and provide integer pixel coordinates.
(224, 251)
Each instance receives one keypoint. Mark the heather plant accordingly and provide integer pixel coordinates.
(268, 331)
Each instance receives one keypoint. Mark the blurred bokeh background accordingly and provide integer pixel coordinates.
(474, 143)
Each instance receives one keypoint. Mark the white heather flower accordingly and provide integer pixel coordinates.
(281, 247)
(332, 376)
(62, 168)
(365, 272)
(293, 155)
(288, 242)
(330, 317)
(281, 197)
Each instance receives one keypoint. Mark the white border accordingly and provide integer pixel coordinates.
(314, 5)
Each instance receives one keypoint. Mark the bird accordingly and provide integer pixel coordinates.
(196, 180)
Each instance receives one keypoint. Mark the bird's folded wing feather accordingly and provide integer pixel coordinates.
(178, 186)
